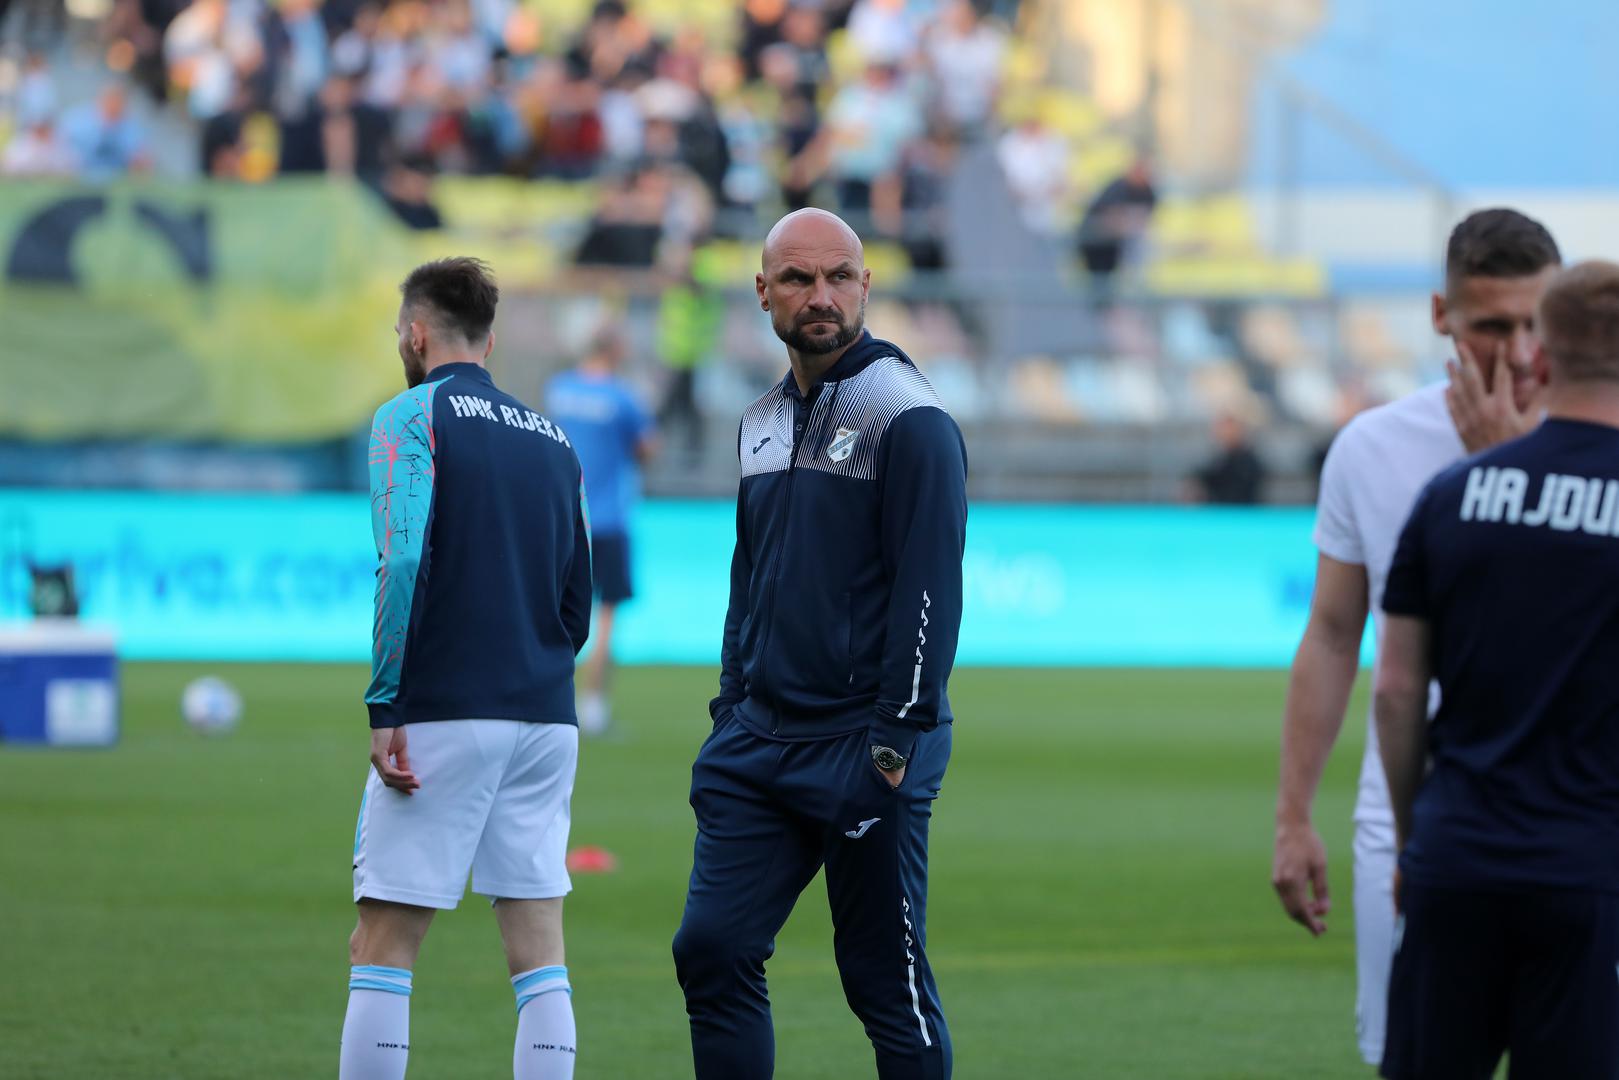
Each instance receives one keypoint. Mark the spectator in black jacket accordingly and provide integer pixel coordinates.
(1235, 475)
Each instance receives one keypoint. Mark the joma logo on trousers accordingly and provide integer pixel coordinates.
(855, 834)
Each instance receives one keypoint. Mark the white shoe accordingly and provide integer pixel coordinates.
(594, 718)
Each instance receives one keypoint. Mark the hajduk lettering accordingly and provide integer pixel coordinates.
(1565, 503)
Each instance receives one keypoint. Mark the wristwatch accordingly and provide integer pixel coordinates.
(887, 758)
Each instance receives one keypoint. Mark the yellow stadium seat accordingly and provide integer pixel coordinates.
(505, 203)
(1025, 62)
(1216, 223)
(843, 58)
(1073, 115)
(1236, 276)
(561, 19)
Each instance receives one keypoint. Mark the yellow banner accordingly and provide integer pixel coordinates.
(201, 311)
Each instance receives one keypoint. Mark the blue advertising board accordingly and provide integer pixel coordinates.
(264, 577)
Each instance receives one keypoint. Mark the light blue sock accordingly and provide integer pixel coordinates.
(545, 1047)
(376, 1031)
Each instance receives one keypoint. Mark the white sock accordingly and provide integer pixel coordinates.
(376, 1031)
(545, 1048)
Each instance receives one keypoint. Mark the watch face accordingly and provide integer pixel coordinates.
(886, 758)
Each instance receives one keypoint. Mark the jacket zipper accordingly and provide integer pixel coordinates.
(775, 576)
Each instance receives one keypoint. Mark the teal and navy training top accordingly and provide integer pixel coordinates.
(483, 572)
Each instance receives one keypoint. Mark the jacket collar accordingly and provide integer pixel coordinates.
(860, 355)
(445, 371)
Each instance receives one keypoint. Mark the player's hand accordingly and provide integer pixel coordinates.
(896, 777)
(1395, 889)
(1299, 876)
(1485, 418)
(389, 758)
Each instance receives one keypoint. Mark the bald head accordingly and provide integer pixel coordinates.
(1579, 322)
(813, 282)
(811, 230)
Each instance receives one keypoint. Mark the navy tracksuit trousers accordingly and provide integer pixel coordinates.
(1527, 973)
(771, 813)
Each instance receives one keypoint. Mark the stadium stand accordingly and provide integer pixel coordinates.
(601, 154)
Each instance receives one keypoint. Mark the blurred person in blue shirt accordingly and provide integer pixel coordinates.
(613, 434)
(105, 140)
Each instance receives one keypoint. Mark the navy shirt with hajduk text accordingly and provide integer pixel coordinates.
(1512, 558)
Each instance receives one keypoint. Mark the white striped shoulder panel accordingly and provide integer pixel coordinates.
(862, 408)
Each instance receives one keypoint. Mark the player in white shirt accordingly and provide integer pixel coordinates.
(1496, 266)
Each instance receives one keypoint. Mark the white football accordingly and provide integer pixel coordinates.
(211, 705)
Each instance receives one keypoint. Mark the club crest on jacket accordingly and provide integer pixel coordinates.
(842, 444)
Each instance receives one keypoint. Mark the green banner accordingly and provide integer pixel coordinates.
(207, 311)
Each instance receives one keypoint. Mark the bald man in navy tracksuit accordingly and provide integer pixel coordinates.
(832, 727)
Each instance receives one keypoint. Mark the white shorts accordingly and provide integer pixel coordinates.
(1374, 934)
(493, 802)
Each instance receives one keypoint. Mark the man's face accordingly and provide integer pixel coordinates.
(815, 290)
(412, 347)
(1493, 316)
(803, 27)
(880, 77)
(610, 351)
(961, 16)
(1229, 432)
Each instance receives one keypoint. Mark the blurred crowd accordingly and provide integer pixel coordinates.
(863, 105)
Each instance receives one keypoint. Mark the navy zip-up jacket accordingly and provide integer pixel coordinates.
(846, 581)
(483, 576)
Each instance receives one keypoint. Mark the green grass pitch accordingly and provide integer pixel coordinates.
(1100, 906)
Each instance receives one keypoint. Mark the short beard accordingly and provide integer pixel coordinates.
(796, 339)
(415, 366)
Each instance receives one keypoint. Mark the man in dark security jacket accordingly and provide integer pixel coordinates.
(832, 726)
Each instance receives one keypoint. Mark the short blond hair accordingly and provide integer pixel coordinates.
(1579, 322)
